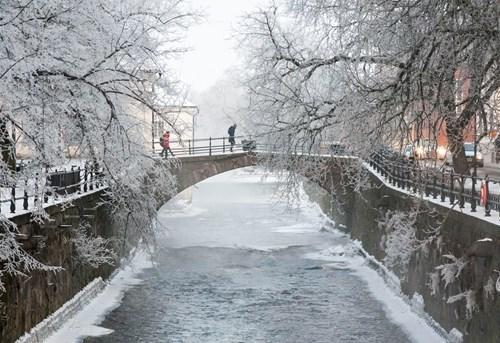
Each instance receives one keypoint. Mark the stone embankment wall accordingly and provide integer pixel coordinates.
(28, 300)
(439, 231)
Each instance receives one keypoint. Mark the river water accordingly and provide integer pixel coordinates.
(237, 265)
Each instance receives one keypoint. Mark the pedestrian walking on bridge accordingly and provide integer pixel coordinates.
(230, 132)
(165, 143)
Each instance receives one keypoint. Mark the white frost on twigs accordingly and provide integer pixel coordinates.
(77, 80)
(92, 250)
(401, 240)
(451, 271)
(470, 301)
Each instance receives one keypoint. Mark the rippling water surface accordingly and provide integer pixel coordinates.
(236, 265)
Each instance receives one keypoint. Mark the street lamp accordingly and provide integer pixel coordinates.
(474, 173)
(195, 113)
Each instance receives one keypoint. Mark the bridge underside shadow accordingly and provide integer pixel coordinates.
(198, 168)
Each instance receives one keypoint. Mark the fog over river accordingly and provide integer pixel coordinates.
(236, 264)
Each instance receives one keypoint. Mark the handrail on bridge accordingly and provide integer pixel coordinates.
(216, 145)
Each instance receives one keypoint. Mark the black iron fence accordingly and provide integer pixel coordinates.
(438, 183)
(51, 186)
(207, 146)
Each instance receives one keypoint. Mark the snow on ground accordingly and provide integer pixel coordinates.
(86, 323)
(5, 206)
(466, 210)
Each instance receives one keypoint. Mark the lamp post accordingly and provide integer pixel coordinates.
(156, 76)
(195, 113)
(474, 173)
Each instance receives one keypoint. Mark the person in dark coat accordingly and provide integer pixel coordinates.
(230, 132)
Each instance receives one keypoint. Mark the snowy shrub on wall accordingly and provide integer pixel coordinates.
(15, 261)
(451, 271)
(470, 302)
(489, 289)
(401, 240)
(92, 250)
(434, 281)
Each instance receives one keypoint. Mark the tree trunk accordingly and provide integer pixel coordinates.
(456, 147)
(7, 146)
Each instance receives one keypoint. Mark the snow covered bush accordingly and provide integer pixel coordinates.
(14, 260)
(434, 281)
(92, 250)
(489, 289)
(401, 240)
(470, 301)
(451, 271)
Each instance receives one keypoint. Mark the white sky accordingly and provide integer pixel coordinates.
(213, 48)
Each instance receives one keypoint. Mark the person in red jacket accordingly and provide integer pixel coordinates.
(165, 143)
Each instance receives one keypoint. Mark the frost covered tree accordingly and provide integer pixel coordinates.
(77, 73)
(370, 72)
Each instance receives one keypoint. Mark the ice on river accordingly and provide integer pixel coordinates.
(235, 264)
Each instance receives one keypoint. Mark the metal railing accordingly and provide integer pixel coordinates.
(53, 186)
(207, 146)
(440, 184)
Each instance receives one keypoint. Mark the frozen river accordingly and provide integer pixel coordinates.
(237, 265)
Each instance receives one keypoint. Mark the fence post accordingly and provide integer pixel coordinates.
(85, 177)
(487, 197)
(25, 196)
(442, 186)
(209, 146)
(54, 188)
(427, 191)
(35, 200)
(47, 178)
(461, 199)
(13, 199)
(97, 175)
(91, 177)
(434, 185)
(407, 176)
(79, 180)
(223, 144)
(473, 204)
(398, 175)
(415, 177)
(452, 189)
(189, 146)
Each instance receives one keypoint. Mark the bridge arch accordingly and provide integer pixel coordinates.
(194, 169)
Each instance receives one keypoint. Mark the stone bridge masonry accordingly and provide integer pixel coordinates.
(29, 301)
(198, 168)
